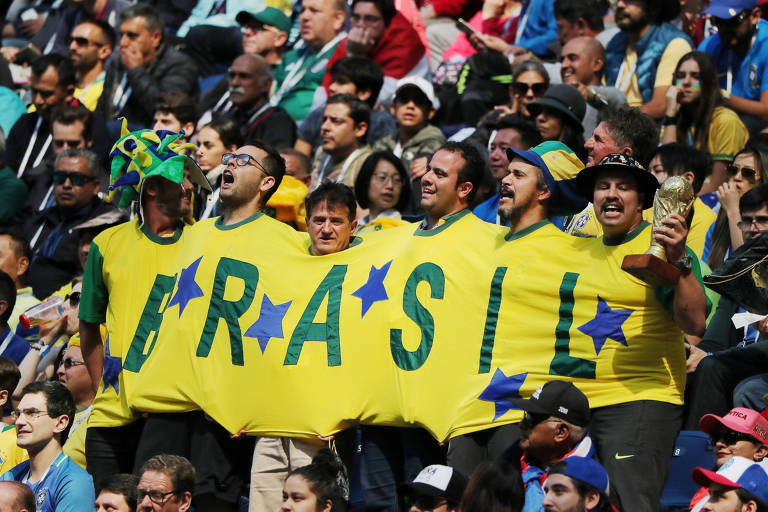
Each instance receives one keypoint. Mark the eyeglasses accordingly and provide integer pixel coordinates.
(747, 173)
(521, 88)
(731, 437)
(78, 179)
(32, 414)
(74, 298)
(241, 160)
(156, 497)
(381, 179)
(43, 94)
(69, 362)
(532, 419)
(61, 143)
(84, 41)
(427, 502)
(746, 222)
(727, 23)
(368, 19)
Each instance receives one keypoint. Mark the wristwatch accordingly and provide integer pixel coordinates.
(684, 264)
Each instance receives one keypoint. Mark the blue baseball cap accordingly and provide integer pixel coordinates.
(727, 9)
(737, 472)
(585, 470)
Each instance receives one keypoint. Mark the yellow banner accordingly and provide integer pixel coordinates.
(406, 327)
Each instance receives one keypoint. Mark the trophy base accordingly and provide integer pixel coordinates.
(650, 269)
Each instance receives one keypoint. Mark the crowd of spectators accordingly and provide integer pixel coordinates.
(550, 117)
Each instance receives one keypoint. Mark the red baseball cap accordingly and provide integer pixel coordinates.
(739, 419)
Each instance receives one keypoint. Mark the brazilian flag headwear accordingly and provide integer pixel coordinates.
(141, 154)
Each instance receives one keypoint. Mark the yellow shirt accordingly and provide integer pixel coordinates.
(10, 454)
(90, 94)
(75, 444)
(664, 72)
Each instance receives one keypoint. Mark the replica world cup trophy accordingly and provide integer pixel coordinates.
(674, 196)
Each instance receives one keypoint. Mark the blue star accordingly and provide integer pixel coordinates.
(501, 389)
(188, 289)
(270, 322)
(112, 368)
(373, 290)
(606, 324)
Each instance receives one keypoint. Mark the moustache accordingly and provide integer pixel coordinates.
(236, 90)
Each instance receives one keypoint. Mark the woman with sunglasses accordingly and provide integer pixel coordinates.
(696, 115)
(748, 169)
(221, 135)
(322, 486)
(383, 187)
(529, 82)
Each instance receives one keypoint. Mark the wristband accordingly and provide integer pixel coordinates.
(669, 121)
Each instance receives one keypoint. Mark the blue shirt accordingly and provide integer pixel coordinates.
(66, 487)
(17, 346)
(750, 74)
(488, 211)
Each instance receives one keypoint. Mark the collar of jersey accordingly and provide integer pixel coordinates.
(162, 240)
(526, 231)
(442, 224)
(628, 237)
(225, 227)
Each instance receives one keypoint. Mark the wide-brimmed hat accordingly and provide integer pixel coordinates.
(646, 182)
(563, 98)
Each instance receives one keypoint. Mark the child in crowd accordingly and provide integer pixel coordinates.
(414, 106)
(10, 454)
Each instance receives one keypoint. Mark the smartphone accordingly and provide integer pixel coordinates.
(465, 27)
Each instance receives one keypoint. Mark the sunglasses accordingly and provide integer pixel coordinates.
(727, 23)
(74, 298)
(84, 41)
(60, 143)
(78, 179)
(521, 88)
(731, 437)
(68, 362)
(747, 173)
(746, 222)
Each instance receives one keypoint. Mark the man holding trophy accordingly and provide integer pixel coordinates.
(644, 309)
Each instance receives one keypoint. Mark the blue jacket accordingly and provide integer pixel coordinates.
(541, 28)
(649, 51)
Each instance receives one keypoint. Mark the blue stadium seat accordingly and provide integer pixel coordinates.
(692, 449)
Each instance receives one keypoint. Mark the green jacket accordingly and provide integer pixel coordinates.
(13, 194)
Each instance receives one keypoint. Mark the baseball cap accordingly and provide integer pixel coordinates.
(267, 16)
(739, 419)
(584, 470)
(423, 85)
(737, 472)
(437, 480)
(560, 166)
(727, 9)
(560, 399)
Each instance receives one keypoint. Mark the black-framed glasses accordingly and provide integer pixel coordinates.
(242, 160)
(73, 298)
(425, 502)
(32, 414)
(747, 173)
(78, 179)
(531, 419)
(68, 362)
(521, 88)
(731, 437)
(156, 497)
(84, 41)
(746, 222)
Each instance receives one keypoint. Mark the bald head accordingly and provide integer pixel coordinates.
(250, 79)
(582, 60)
(16, 497)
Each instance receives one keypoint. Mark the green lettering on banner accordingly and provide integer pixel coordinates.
(149, 323)
(308, 330)
(229, 311)
(564, 364)
(404, 358)
(491, 319)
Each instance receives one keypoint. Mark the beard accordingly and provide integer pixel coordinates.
(633, 24)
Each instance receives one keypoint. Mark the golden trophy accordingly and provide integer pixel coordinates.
(674, 196)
